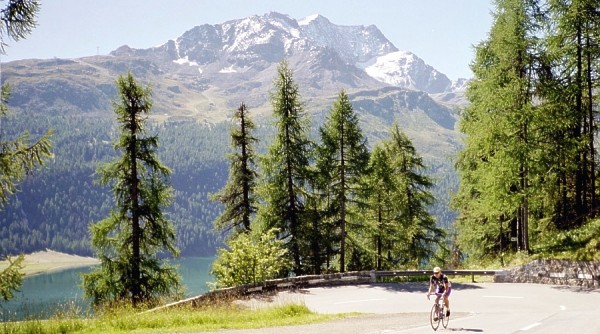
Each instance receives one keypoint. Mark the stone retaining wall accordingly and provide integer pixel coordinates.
(584, 274)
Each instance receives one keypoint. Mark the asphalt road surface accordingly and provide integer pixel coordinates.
(476, 308)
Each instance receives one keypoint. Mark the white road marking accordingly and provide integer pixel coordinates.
(505, 297)
(360, 301)
(535, 324)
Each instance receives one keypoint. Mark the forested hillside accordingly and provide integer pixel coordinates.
(56, 205)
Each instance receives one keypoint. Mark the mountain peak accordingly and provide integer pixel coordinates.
(315, 17)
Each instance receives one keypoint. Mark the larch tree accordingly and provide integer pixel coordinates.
(18, 156)
(570, 93)
(238, 195)
(417, 227)
(285, 167)
(21, 155)
(128, 242)
(343, 158)
(382, 208)
(501, 153)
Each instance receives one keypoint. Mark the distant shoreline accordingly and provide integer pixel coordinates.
(51, 261)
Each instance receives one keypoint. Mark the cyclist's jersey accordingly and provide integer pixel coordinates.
(439, 282)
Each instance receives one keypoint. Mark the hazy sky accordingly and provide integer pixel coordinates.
(441, 32)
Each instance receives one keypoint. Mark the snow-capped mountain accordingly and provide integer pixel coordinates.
(404, 69)
(253, 44)
(208, 70)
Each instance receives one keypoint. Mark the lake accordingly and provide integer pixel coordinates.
(42, 295)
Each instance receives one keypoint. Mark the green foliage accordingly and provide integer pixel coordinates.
(11, 278)
(342, 160)
(582, 243)
(252, 258)
(129, 239)
(238, 195)
(18, 20)
(285, 166)
(20, 156)
(406, 234)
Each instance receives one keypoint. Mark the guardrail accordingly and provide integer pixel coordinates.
(471, 273)
(309, 281)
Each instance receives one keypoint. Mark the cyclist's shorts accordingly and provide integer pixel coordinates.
(449, 291)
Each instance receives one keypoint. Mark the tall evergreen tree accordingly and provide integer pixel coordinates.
(129, 240)
(496, 164)
(383, 207)
(285, 166)
(418, 227)
(343, 158)
(18, 156)
(573, 33)
(238, 194)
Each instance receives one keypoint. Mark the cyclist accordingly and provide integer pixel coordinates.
(441, 284)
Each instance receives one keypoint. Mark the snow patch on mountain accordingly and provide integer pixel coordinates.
(185, 60)
(405, 69)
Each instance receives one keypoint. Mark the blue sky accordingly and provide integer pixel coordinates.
(441, 32)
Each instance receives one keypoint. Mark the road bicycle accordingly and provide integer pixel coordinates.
(438, 312)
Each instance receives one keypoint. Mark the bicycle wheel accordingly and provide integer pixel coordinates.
(445, 319)
(434, 315)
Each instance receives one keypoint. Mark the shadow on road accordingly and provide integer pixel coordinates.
(576, 289)
(474, 330)
(417, 287)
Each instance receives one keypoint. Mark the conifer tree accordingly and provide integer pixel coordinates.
(343, 158)
(238, 194)
(383, 207)
(570, 92)
(285, 167)
(11, 277)
(128, 242)
(500, 154)
(20, 156)
(417, 226)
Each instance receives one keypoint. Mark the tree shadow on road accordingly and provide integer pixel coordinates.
(577, 289)
(417, 287)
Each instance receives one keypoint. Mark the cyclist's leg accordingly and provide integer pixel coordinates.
(447, 301)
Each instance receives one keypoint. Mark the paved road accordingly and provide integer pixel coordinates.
(476, 308)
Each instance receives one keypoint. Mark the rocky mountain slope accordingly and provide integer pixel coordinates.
(206, 72)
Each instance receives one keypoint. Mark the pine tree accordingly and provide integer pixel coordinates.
(285, 166)
(129, 240)
(343, 158)
(238, 194)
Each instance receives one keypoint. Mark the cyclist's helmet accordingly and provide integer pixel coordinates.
(436, 270)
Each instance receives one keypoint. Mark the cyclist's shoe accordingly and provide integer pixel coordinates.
(447, 313)
(435, 318)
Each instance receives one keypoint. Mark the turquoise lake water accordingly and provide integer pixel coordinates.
(41, 296)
